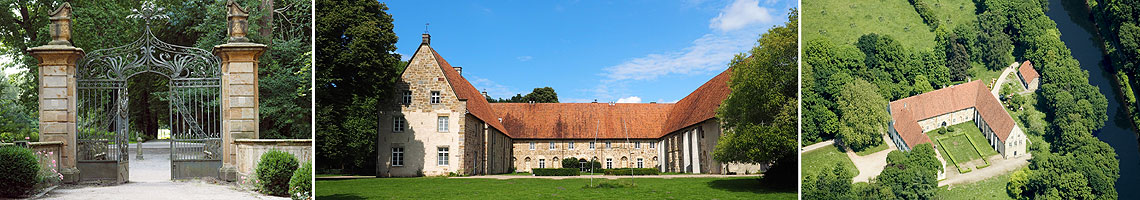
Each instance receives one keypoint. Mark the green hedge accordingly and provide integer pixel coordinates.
(301, 185)
(274, 171)
(18, 171)
(555, 171)
(634, 171)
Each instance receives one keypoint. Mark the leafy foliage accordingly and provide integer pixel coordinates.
(912, 174)
(555, 171)
(301, 184)
(19, 173)
(538, 95)
(833, 183)
(863, 117)
(359, 68)
(759, 116)
(274, 171)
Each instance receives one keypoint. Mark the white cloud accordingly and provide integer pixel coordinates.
(631, 99)
(494, 89)
(524, 58)
(740, 14)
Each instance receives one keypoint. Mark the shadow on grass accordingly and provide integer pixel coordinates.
(746, 185)
(341, 196)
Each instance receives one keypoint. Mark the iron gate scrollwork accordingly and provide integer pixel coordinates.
(194, 97)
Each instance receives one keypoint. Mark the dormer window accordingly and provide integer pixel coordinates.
(435, 97)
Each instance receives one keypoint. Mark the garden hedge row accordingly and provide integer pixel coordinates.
(555, 171)
(634, 171)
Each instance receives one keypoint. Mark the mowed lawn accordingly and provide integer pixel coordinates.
(528, 188)
(953, 12)
(991, 188)
(844, 21)
(816, 160)
(960, 148)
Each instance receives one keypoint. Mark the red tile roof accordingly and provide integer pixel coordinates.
(476, 104)
(908, 111)
(1027, 71)
(582, 120)
(700, 105)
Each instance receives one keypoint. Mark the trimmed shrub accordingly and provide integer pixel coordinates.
(274, 171)
(19, 171)
(555, 171)
(634, 171)
(301, 185)
(570, 162)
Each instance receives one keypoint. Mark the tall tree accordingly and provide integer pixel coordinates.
(862, 115)
(358, 70)
(542, 95)
(759, 116)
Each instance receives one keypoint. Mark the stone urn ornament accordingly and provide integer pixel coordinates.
(236, 23)
(60, 28)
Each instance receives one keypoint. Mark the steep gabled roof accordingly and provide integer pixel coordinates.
(476, 104)
(582, 120)
(700, 105)
(1027, 71)
(908, 111)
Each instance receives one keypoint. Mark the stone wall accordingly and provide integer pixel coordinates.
(50, 153)
(949, 119)
(622, 153)
(249, 152)
(57, 101)
(420, 138)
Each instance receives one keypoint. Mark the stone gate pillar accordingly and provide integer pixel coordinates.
(57, 90)
(239, 88)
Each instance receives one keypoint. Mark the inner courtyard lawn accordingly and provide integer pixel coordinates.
(844, 21)
(534, 188)
(816, 160)
(990, 188)
(959, 148)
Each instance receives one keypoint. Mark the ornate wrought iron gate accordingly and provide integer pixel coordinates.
(195, 104)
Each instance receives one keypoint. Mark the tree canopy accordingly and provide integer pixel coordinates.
(759, 115)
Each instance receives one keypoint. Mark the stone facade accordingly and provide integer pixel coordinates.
(57, 99)
(467, 140)
(948, 119)
(689, 150)
(249, 153)
(239, 97)
(620, 153)
(1030, 85)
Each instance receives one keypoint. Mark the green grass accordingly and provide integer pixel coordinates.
(979, 72)
(816, 160)
(875, 149)
(960, 148)
(971, 131)
(953, 12)
(991, 188)
(469, 188)
(844, 21)
(513, 174)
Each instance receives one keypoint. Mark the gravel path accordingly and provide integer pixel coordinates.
(1001, 79)
(150, 179)
(999, 166)
(819, 145)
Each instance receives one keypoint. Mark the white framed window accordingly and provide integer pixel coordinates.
(398, 156)
(435, 97)
(591, 145)
(398, 124)
(609, 163)
(531, 145)
(637, 145)
(442, 156)
(571, 145)
(541, 163)
(407, 97)
(552, 145)
(442, 123)
(640, 163)
(608, 145)
(652, 145)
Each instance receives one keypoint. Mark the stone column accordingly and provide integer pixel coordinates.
(696, 151)
(685, 160)
(239, 88)
(661, 160)
(57, 90)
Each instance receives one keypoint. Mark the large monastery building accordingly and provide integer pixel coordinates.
(444, 125)
(913, 116)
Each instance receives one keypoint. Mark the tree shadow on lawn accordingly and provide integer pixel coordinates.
(341, 196)
(746, 185)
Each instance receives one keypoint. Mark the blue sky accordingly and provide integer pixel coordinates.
(623, 51)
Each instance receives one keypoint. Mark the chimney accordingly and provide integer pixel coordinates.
(427, 39)
(595, 101)
(458, 69)
(484, 93)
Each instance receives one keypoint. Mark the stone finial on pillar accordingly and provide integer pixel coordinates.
(236, 22)
(60, 28)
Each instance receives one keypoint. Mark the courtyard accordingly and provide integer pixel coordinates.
(965, 145)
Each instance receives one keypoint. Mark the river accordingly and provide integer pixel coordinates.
(1078, 34)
